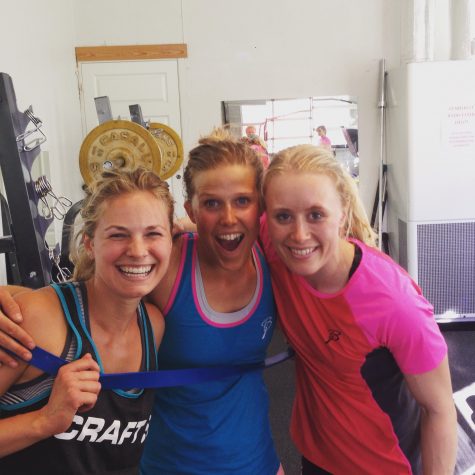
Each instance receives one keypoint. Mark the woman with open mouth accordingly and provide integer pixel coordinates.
(219, 310)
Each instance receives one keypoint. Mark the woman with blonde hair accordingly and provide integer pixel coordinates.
(373, 385)
(98, 323)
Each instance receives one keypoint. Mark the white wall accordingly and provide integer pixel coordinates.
(264, 49)
(236, 50)
(37, 50)
(123, 22)
(282, 49)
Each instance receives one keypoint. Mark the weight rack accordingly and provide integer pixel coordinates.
(24, 244)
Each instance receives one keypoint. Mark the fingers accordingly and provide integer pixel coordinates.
(88, 406)
(9, 330)
(87, 375)
(89, 393)
(85, 365)
(9, 307)
(87, 362)
(72, 391)
(9, 333)
(77, 384)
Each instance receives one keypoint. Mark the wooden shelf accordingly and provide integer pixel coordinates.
(131, 52)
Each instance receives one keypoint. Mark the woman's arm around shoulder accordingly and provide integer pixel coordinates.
(162, 292)
(157, 321)
(12, 336)
(433, 392)
(75, 388)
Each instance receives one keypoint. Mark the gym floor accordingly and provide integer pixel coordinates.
(280, 384)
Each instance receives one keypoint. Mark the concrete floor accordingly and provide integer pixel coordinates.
(280, 383)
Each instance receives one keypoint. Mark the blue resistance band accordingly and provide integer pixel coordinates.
(50, 364)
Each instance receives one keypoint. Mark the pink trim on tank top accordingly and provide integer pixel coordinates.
(251, 311)
(174, 291)
(280, 471)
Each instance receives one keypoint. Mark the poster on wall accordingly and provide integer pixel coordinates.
(458, 130)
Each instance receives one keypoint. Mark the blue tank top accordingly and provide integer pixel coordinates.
(107, 439)
(222, 426)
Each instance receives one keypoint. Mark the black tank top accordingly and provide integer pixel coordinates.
(109, 438)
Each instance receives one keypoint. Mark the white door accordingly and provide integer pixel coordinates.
(152, 84)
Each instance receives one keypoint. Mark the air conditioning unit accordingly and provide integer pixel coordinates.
(431, 180)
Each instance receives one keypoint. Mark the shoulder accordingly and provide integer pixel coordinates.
(380, 272)
(156, 320)
(33, 301)
(44, 320)
(162, 292)
(42, 316)
(384, 296)
(393, 311)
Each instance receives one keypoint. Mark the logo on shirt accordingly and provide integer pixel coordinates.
(333, 335)
(96, 429)
(266, 326)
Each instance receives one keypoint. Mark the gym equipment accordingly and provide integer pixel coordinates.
(171, 147)
(118, 144)
(114, 144)
(103, 109)
(136, 115)
(20, 142)
(58, 208)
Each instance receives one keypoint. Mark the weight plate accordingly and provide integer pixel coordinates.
(171, 147)
(118, 144)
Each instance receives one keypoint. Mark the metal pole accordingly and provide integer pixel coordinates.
(382, 107)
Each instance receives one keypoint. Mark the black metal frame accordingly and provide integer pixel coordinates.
(28, 228)
(68, 235)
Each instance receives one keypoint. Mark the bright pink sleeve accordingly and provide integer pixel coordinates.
(393, 313)
(413, 335)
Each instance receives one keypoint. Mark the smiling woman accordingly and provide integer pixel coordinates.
(130, 244)
(305, 215)
(373, 382)
(99, 324)
(99, 203)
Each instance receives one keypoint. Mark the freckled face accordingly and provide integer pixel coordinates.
(131, 245)
(225, 209)
(305, 216)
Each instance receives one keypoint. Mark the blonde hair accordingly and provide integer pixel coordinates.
(111, 185)
(217, 149)
(320, 161)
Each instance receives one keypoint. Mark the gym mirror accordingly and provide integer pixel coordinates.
(281, 123)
